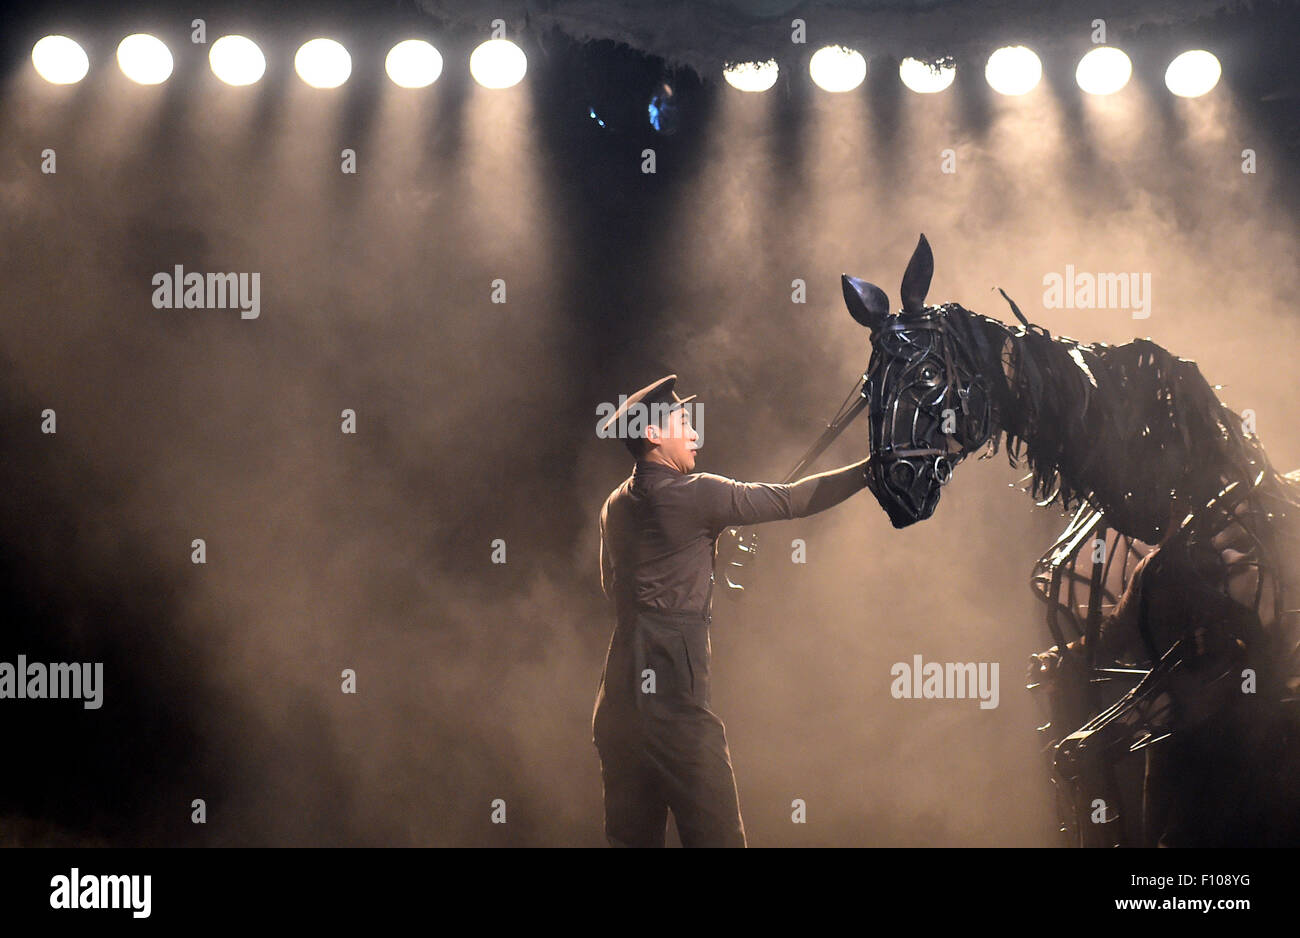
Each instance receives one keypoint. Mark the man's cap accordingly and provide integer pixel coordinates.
(656, 392)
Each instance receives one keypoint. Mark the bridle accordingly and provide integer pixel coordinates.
(904, 468)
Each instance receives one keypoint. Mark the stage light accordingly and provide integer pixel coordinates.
(1193, 74)
(59, 60)
(1013, 70)
(1103, 71)
(923, 79)
(837, 69)
(413, 63)
(144, 59)
(237, 60)
(752, 76)
(323, 63)
(498, 63)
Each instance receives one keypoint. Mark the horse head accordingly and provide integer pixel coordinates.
(928, 401)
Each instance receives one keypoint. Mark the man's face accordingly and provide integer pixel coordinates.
(677, 440)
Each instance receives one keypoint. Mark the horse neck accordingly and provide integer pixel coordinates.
(1130, 429)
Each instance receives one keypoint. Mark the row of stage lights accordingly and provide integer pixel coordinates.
(1011, 70)
(499, 63)
(321, 63)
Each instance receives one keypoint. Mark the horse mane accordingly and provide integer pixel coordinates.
(1131, 429)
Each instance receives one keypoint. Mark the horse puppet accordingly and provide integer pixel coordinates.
(1173, 686)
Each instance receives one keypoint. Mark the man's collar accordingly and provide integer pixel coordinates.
(647, 465)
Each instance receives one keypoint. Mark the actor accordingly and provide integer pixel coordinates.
(661, 747)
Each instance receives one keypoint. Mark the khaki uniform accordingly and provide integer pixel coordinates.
(661, 745)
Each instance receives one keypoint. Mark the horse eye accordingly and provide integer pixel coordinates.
(929, 374)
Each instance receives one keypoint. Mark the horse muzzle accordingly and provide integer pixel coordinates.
(908, 483)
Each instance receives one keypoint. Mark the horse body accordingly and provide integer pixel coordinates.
(1171, 594)
(1185, 653)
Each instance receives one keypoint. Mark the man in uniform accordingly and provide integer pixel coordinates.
(661, 746)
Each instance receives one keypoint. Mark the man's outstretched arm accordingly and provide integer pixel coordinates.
(724, 501)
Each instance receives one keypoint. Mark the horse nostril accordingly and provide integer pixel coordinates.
(942, 470)
(902, 474)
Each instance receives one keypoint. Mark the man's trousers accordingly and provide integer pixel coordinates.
(661, 747)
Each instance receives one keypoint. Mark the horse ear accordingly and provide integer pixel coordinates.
(867, 303)
(916, 279)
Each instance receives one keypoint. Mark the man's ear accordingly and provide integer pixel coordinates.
(652, 434)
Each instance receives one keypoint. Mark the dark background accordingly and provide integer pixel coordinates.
(476, 420)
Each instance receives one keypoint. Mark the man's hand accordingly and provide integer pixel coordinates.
(1048, 667)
